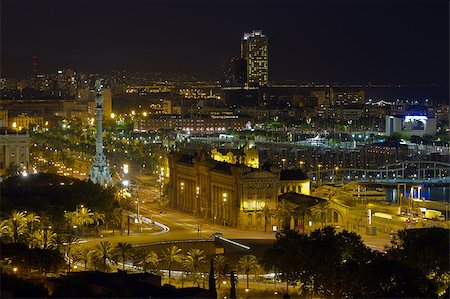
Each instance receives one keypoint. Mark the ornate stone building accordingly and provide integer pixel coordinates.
(228, 194)
(246, 156)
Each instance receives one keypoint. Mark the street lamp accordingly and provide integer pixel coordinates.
(302, 163)
(335, 173)
(224, 198)
(283, 163)
(161, 182)
(197, 195)
(318, 174)
(138, 218)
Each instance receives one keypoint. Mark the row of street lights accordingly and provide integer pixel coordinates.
(126, 184)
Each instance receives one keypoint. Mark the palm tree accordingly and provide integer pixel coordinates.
(49, 238)
(321, 211)
(116, 219)
(72, 219)
(172, 255)
(85, 218)
(123, 251)
(35, 239)
(104, 251)
(193, 261)
(248, 263)
(42, 238)
(83, 254)
(302, 210)
(66, 249)
(148, 260)
(219, 265)
(4, 226)
(123, 198)
(284, 212)
(15, 226)
(266, 212)
(98, 217)
(32, 218)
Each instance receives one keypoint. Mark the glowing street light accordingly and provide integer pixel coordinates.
(197, 192)
(125, 168)
(318, 174)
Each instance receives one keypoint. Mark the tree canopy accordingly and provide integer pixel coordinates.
(338, 264)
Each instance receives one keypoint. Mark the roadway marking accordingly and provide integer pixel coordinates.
(165, 228)
(233, 242)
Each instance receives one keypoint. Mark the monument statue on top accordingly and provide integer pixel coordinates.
(99, 173)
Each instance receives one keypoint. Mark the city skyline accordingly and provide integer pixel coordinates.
(375, 42)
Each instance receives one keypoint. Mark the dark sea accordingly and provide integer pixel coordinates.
(434, 193)
(435, 95)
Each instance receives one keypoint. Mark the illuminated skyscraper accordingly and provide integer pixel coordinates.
(236, 75)
(35, 62)
(254, 49)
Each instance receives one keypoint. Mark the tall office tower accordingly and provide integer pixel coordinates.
(238, 72)
(254, 49)
(35, 62)
(99, 173)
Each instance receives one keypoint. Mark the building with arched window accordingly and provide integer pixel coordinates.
(228, 194)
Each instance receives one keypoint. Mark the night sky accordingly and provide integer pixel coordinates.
(323, 41)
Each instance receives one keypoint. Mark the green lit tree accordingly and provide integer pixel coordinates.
(98, 217)
(195, 259)
(15, 226)
(265, 213)
(83, 254)
(84, 216)
(248, 263)
(170, 256)
(103, 252)
(122, 253)
(148, 260)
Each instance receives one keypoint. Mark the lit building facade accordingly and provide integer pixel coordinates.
(24, 121)
(3, 118)
(195, 124)
(227, 194)
(247, 156)
(107, 102)
(14, 149)
(254, 49)
(415, 121)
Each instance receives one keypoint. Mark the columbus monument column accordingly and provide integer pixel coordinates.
(99, 173)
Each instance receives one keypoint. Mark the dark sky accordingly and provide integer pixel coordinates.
(336, 41)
